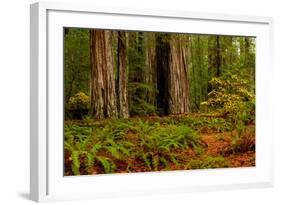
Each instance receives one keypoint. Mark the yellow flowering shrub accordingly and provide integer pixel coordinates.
(79, 101)
(230, 96)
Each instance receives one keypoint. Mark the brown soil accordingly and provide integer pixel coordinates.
(220, 143)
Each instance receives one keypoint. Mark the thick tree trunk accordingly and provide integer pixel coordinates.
(173, 85)
(122, 91)
(102, 89)
(162, 67)
(178, 85)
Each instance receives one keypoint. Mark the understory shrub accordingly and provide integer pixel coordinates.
(231, 96)
(77, 106)
(244, 142)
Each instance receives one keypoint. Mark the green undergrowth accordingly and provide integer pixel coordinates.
(142, 144)
(207, 162)
(122, 145)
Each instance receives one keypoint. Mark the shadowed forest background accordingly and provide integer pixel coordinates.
(147, 101)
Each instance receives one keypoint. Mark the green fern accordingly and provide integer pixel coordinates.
(75, 162)
(147, 160)
(163, 161)
(90, 161)
(107, 164)
(155, 162)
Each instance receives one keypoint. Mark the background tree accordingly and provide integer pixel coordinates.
(122, 91)
(140, 62)
(150, 68)
(200, 72)
(76, 62)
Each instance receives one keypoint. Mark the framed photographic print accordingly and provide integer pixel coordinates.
(127, 101)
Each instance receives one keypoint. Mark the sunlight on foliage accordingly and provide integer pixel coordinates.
(79, 101)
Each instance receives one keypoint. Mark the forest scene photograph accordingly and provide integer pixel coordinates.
(140, 101)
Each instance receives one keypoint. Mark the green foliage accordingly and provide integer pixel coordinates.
(107, 164)
(207, 163)
(221, 75)
(198, 69)
(75, 162)
(141, 107)
(141, 88)
(111, 142)
(79, 101)
(243, 142)
(76, 61)
(138, 103)
(205, 123)
(232, 96)
(160, 144)
(219, 57)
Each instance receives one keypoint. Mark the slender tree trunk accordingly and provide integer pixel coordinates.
(191, 72)
(249, 62)
(214, 59)
(122, 90)
(150, 71)
(140, 53)
(102, 94)
(218, 57)
(230, 54)
(247, 52)
(210, 62)
(202, 94)
(69, 93)
(241, 49)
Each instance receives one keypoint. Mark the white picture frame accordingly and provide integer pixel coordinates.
(47, 182)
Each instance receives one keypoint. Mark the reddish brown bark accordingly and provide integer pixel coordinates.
(172, 79)
(122, 90)
(102, 92)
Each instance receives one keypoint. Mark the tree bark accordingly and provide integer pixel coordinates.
(210, 64)
(162, 67)
(247, 52)
(218, 57)
(178, 83)
(122, 90)
(150, 71)
(102, 89)
(173, 85)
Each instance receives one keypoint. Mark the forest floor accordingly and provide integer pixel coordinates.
(134, 145)
(217, 143)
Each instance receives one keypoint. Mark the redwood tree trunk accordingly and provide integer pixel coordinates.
(162, 67)
(150, 71)
(122, 91)
(172, 81)
(178, 85)
(102, 89)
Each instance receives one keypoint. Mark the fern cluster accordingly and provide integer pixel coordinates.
(207, 162)
(121, 145)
